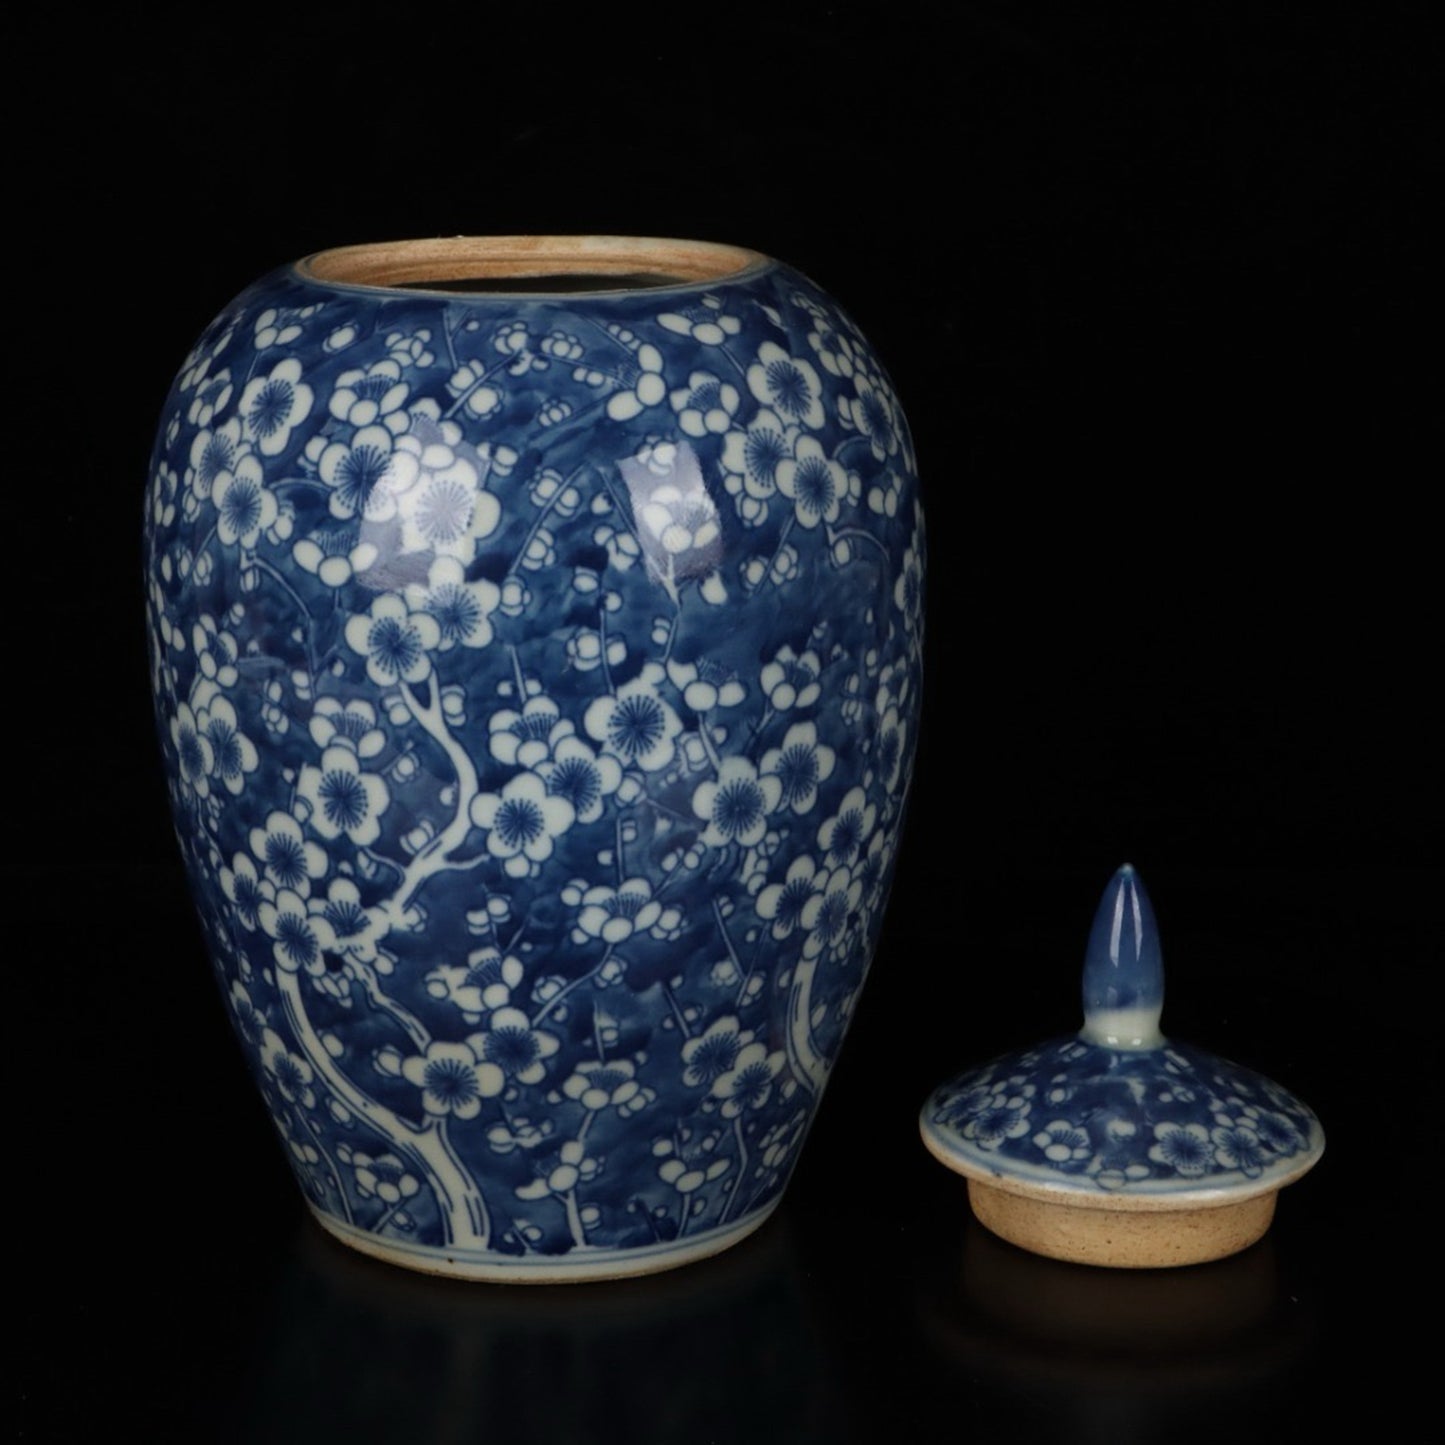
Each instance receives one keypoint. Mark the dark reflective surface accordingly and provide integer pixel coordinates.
(370, 1352)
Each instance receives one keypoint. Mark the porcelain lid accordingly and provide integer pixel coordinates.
(1118, 1113)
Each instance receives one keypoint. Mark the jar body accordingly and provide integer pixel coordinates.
(537, 678)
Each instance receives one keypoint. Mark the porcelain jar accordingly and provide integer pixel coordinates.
(535, 636)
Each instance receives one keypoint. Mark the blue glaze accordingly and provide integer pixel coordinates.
(1159, 1121)
(1123, 965)
(537, 679)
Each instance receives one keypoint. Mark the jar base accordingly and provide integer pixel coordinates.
(595, 1265)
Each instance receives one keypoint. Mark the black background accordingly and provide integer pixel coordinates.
(1152, 290)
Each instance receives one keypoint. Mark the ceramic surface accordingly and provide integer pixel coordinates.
(537, 678)
(1172, 1120)
(1118, 1111)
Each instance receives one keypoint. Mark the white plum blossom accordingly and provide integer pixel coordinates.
(581, 776)
(214, 453)
(834, 348)
(276, 326)
(250, 1020)
(365, 396)
(366, 474)
(715, 1052)
(469, 383)
(216, 652)
(782, 904)
(245, 889)
(383, 1177)
(813, 482)
(514, 1046)
(888, 748)
(705, 404)
(514, 341)
(645, 386)
(350, 724)
(525, 739)
(635, 724)
(552, 491)
(1004, 1115)
(705, 685)
(623, 549)
(462, 609)
(615, 914)
(751, 458)
(1276, 1131)
(164, 486)
(447, 511)
(272, 406)
(233, 754)
(289, 861)
(411, 348)
(828, 912)
(453, 1080)
(843, 835)
(522, 822)
(244, 505)
(677, 520)
(884, 498)
(292, 1073)
(871, 411)
(573, 1168)
(1236, 1146)
(787, 385)
(355, 927)
(688, 1176)
(213, 395)
(562, 346)
(301, 938)
(1184, 1148)
(790, 680)
(334, 557)
(800, 765)
(608, 1084)
(342, 798)
(586, 650)
(1063, 1143)
(193, 751)
(749, 1083)
(737, 805)
(707, 324)
(908, 589)
(395, 641)
(487, 982)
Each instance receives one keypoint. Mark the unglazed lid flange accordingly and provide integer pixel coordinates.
(1116, 1146)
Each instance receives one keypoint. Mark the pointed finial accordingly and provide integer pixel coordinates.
(1124, 969)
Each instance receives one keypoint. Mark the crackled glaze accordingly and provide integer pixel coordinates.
(537, 678)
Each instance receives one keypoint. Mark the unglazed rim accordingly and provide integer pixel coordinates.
(1122, 1238)
(405, 267)
(487, 1267)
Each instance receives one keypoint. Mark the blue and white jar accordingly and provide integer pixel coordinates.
(536, 631)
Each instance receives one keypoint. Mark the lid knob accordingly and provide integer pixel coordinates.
(1123, 984)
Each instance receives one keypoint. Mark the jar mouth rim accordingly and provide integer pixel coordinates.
(461, 267)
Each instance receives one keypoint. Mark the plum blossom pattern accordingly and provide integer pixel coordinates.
(1166, 1120)
(537, 683)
